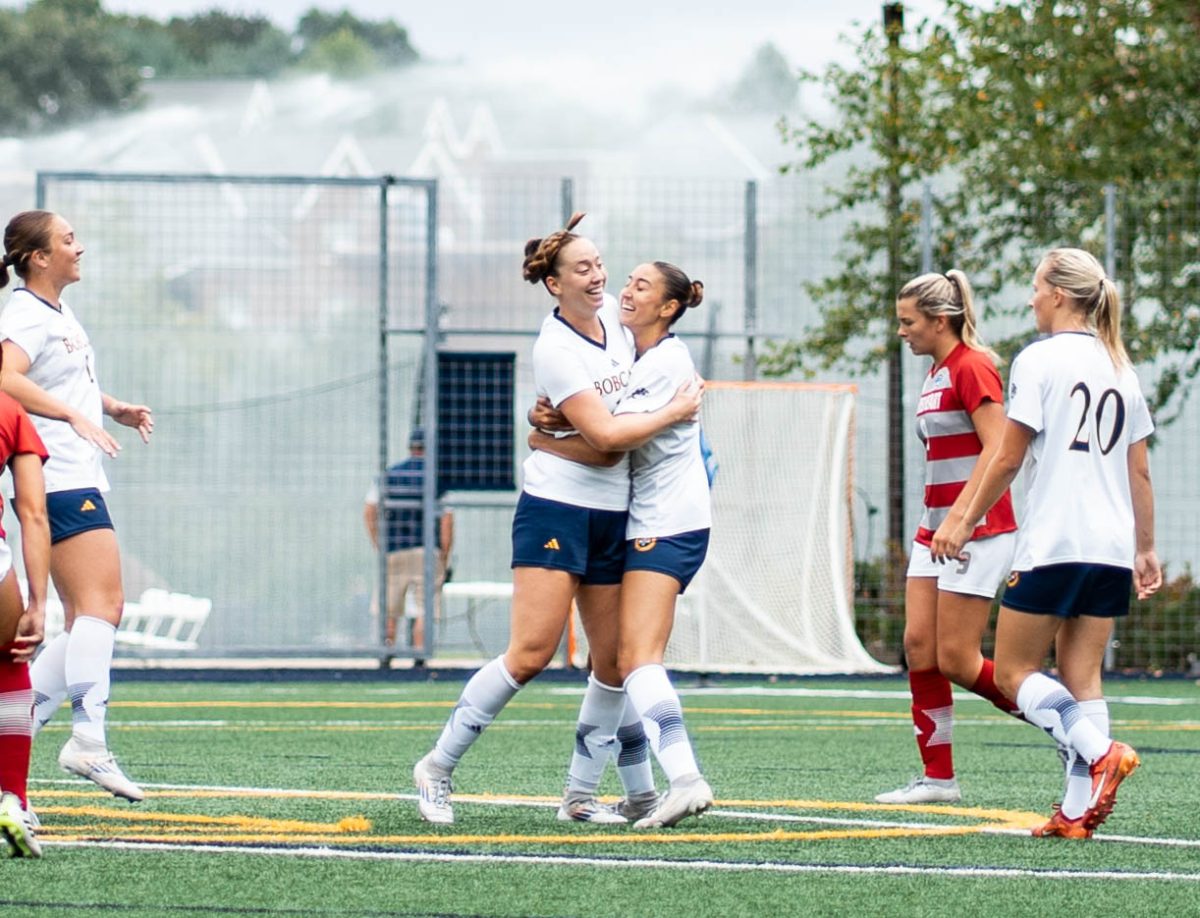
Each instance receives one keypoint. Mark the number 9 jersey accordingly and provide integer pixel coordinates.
(1085, 412)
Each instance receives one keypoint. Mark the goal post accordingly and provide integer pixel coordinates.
(775, 593)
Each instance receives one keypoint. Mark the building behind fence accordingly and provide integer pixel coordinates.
(287, 333)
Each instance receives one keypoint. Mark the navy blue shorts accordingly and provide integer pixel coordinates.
(73, 512)
(678, 556)
(579, 540)
(1071, 590)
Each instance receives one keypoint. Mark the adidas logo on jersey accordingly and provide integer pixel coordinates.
(87, 505)
(552, 545)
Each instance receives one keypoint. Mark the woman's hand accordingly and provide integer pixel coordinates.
(685, 405)
(135, 416)
(31, 628)
(96, 435)
(545, 416)
(1147, 574)
(948, 541)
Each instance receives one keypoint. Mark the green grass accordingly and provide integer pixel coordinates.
(763, 753)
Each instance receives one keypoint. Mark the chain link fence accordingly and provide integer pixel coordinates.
(289, 332)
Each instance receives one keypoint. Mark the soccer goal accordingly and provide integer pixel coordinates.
(775, 592)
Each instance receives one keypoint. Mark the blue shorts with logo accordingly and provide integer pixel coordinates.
(579, 540)
(1071, 590)
(678, 556)
(76, 511)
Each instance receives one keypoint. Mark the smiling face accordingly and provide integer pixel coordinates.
(922, 333)
(578, 283)
(643, 299)
(59, 263)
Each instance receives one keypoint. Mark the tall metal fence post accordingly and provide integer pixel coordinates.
(384, 420)
(566, 197)
(750, 280)
(926, 228)
(1110, 267)
(430, 496)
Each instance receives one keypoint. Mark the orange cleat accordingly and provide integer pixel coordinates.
(1108, 772)
(1063, 827)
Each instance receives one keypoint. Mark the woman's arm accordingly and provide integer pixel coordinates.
(36, 400)
(1147, 572)
(576, 449)
(606, 432)
(30, 505)
(988, 419)
(1001, 469)
(135, 416)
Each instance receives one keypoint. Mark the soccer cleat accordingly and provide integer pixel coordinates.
(578, 806)
(638, 806)
(433, 792)
(94, 762)
(1108, 772)
(689, 797)
(17, 829)
(924, 790)
(1063, 827)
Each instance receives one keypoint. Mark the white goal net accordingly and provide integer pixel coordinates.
(775, 592)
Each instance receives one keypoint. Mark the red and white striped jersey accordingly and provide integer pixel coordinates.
(952, 392)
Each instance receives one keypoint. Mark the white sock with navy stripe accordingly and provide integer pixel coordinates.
(483, 697)
(651, 692)
(49, 676)
(1079, 777)
(88, 669)
(595, 735)
(1047, 704)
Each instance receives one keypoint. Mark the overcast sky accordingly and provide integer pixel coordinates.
(631, 42)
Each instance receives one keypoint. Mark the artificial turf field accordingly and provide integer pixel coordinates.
(295, 798)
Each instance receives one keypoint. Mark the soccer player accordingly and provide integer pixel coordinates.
(50, 369)
(1076, 410)
(668, 531)
(946, 606)
(568, 537)
(21, 622)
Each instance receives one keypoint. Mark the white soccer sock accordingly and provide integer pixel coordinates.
(483, 697)
(656, 700)
(1079, 777)
(88, 668)
(1047, 704)
(633, 753)
(595, 735)
(49, 676)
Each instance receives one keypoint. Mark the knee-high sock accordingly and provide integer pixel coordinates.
(88, 669)
(16, 725)
(483, 697)
(985, 687)
(49, 676)
(1079, 779)
(1047, 704)
(633, 753)
(651, 692)
(933, 721)
(595, 735)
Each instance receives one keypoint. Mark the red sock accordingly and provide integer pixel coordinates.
(985, 687)
(16, 725)
(933, 718)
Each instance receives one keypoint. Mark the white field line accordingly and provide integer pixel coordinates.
(648, 863)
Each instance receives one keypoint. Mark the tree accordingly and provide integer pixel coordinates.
(387, 41)
(767, 84)
(341, 53)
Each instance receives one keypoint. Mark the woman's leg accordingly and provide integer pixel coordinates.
(932, 701)
(647, 616)
(540, 606)
(86, 568)
(16, 698)
(1081, 644)
(962, 620)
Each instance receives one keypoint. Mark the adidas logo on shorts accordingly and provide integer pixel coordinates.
(552, 545)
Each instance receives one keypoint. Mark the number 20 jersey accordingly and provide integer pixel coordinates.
(1084, 412)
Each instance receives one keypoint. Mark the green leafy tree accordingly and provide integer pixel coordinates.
(216, 43)
(387, 40)
(342, 53)
(56, 65)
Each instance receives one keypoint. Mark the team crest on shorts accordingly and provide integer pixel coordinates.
(644, 544)
(1014, 578)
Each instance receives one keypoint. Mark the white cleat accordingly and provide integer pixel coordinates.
(94, 762)
(17, 828)
(583, 807)
(690, 797)
(924, 790)
(433, 792)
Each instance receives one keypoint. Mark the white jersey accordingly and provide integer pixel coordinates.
(566, 363)
(670, 486)
(62, 362)
(1085, 413)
